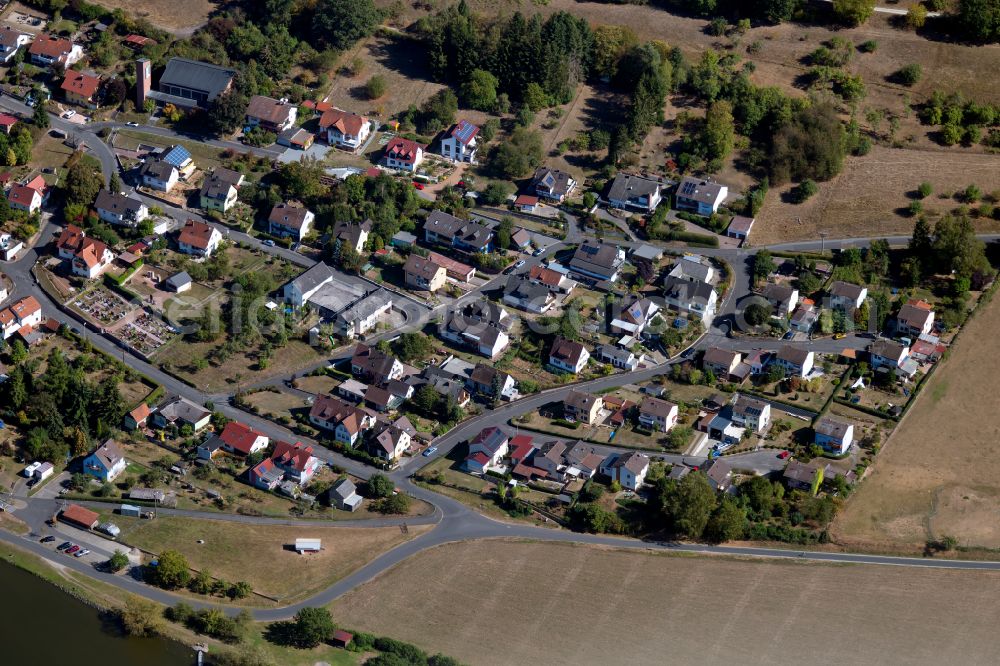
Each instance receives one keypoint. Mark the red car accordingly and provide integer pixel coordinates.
(784, 454)
(72, 549)
(417, 185)
(462, 185)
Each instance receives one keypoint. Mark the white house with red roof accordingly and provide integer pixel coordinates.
(487, 449)
(345, 129)
(81, 88)
(296, 461)
(30, 196)
(7, 122)
(48, 50)
(69, 241)
(198, 238)
(92, 258)
(404, 154)
(24, 314)
(242, 440)
(460, 144)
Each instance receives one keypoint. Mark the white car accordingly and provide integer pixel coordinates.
(132, 124)
(69, 114)
(29, 471)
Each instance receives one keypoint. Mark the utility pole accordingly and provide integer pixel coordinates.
(823, 235)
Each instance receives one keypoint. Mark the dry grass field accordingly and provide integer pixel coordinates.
(180, 17)
(940, 472)
(520, 603)
(261, 554)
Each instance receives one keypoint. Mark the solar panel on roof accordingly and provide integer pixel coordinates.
(465, 131)
(688, 188)
(177, 156)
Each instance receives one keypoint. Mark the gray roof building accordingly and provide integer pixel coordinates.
(196, 81)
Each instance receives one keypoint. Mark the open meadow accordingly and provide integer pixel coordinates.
(180, 17)
(940, 472)
(565, 604)
(262, 555)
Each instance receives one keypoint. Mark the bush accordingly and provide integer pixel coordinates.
(375, 87)
(803, 191)
(909, 75)
(925, 189)
(868, 46)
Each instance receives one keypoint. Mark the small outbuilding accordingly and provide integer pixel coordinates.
(308, 545)
(76, 515)
(341, 638)
(178, 283)
(130, 510)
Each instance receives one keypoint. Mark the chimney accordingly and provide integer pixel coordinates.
(143, 82)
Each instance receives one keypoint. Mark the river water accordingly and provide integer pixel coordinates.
(42, 625)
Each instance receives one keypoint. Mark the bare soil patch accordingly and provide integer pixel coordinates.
(939, 473)
(571, 599)
(180, 16)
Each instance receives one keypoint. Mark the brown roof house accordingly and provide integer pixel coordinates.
(568, 356)
(290, 220)
(628, 469)
(422, 273)
(658, 414)
(582, 407)
(273, 115)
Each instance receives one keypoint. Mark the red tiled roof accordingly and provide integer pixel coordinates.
(81, 84)
(140, 413)
(50, 46)
(345, 121)
(239, 437)
(525, 200)
(70, 238)
(91, 252)
(75, 513)
(295, 455)
(7, 120)
(196, 234)
(22, 194)
(403, 149)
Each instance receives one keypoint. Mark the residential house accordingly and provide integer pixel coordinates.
(804, 318)
(722, 363)
(526, 203)
(81, 88)
(623, 359)
(422, 273)
(751, 413)
(487, 449)
(391, 441)
(290, 220)
(447, 385)
(24, 315)
(795, 361)
(105, 462)
(598, 260)
(803, 476)
(192, 83)
(181, 412)
(568, 356)
(404, 154)
(554, 280)
(29, 197)
(720, 475)
(700, 196)
(198, 238)
(783, 298)
(887, 353)
(633, 317)
(834, 435)
(553, 184)
(119, 208)
(346, 421)
(343, 495)
(479, 326)
(220, 190)
(374, 366)
(296, 137)
(159, 175)
(487, 381)
(694, 298)
(441, 228)
(739, 227)
(296, 461)
(137, 417)
(10, 41)
(521, 240)
(526, 294)
(7, 123)
(521, 447)
(180, 158)
(364, 315)
(351, 389)
(459, 144)
(240, 439)
(628, 469)
(549, 459)
(381, 400)
(344, 129)
(582, 407)
(658, 414)
(915, 318)
(693, 269)
(266, 475)
(92, 258)
(298, 291)
(846, 296)
(454, 269)
(48, 50)
(272, 115)
(353, 234)
(635, 193)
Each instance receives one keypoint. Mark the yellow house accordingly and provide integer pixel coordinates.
(80, 88)
(422, 273)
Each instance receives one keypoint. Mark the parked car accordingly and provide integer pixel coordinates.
(81, 553)
(520, 262)
(269, 243)
(48, 539)
(132, 124)
(784, 454)
(69, 114)
(64, 545)
(431, 450)
(417, 185)
(840, 336)
(72, 549)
